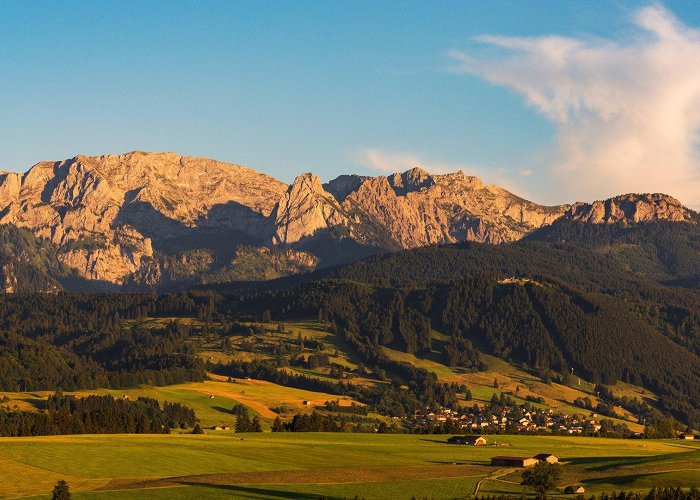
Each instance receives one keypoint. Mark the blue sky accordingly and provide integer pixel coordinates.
(330, 87)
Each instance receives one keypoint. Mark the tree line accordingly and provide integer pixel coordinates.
(65, 414)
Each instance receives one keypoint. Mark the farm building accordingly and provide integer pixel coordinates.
(514, 461)
(547, 457)
(686, 436)
(472, 440)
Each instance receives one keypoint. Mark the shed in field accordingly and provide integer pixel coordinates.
(472, 440)
(547, 457)
(514, 461)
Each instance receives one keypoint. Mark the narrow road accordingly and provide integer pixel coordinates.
(494, 475)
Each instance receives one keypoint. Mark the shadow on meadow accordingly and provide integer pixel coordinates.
(450, 462)
(253, 492)
(439, 441)
(599, 464)
(221, 409)
(39, 404)
(619, 481)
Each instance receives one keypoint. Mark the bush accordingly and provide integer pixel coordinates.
(61, 491)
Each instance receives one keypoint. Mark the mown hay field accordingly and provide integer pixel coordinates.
(286, 465)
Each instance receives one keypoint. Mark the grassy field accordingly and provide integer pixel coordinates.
(271, 465)
(212, 400)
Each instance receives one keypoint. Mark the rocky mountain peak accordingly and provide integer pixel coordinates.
(342, 186)
(107, 213)
(414, 179)
(304, 210)
(632, 209)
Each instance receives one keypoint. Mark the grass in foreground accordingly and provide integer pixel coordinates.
(301, 465)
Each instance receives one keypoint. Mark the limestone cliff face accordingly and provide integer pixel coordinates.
(631, 209)
(107, 213)
(411, 209)
(305, 210)
(149, 218)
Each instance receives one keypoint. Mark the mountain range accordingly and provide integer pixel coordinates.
(143, 220)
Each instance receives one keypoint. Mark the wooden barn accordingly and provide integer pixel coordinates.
(514, 461)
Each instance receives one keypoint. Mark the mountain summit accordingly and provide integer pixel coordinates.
(149, 218)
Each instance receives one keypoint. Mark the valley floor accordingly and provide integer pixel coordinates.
(307, 465)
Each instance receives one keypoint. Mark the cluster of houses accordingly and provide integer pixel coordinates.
(509, 418)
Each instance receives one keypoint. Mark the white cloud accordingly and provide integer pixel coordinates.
(391, 162)
(626, 112)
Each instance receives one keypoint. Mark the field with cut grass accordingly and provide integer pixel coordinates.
(288, 465)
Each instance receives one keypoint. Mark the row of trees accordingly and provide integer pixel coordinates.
(96, 415)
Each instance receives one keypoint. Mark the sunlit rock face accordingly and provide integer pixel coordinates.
(108, 213)
(140, 217)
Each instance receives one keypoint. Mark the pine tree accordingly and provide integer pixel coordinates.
(243, 423)
(277, 425)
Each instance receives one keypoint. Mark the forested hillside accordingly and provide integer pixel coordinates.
(30, 264)
(548, 308)
(543, 324)
(73, 341)
(663, 251)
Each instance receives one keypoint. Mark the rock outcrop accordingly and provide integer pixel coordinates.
(631, 209)
(305, 210)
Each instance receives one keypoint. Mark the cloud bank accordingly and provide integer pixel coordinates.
(626, 112)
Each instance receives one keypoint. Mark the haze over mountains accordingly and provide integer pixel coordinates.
(149, 219)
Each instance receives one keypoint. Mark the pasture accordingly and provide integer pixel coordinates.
(288, 465)
(211, 400)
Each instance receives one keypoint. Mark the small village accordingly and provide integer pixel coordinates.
(510, 418)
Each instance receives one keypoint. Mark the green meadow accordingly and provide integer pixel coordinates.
(287, 465)
(212, 400)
